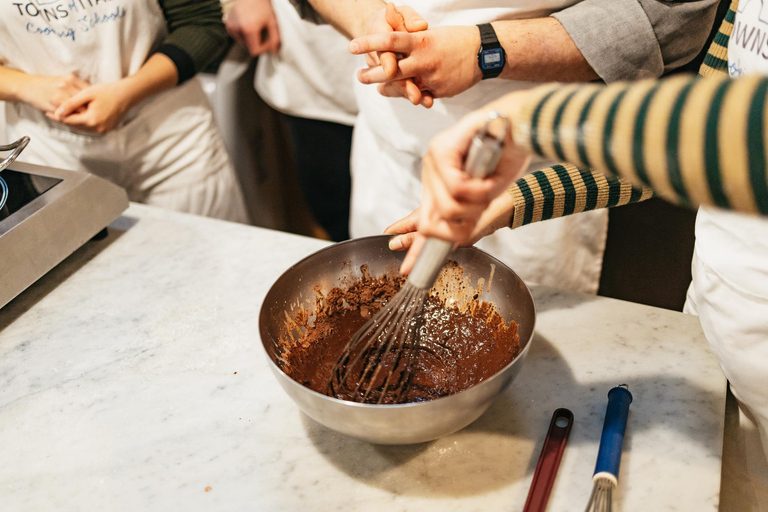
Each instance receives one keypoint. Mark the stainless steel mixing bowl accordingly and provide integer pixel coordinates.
(402, 423)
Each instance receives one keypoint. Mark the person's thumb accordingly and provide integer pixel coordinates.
(412, 20)
(73, 104)
(394, 18)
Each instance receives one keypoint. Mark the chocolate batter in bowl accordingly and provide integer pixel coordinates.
(291, 322)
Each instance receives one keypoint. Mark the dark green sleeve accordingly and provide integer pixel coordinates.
(196, 34)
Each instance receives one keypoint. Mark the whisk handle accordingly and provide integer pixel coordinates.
(485, 149)
(612, 438)
(482, 159)
(429, 263)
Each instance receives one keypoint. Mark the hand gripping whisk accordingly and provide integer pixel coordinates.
(606, 476)
(376, 364)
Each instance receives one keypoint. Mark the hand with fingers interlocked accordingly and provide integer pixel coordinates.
(47, 93)
(385, 25)
(440, 62)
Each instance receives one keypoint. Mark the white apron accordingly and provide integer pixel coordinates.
(391, 136)
(312, 74)
(729, 292)
(166, 152)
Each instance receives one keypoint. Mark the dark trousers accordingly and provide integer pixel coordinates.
(321, 152)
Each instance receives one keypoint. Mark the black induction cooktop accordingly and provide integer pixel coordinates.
(23, 188)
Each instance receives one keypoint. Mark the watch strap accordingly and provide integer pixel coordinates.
(489, 44)
(488, 37)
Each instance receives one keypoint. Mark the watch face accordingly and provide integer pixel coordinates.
(492, 59)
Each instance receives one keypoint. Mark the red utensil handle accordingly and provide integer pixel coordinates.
(549, 461)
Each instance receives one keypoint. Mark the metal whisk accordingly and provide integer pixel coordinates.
(606, 476)
(376, 364)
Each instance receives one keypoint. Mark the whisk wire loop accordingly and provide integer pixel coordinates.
(601, 498)
(393, 330)
(408, 343)
(388, 338)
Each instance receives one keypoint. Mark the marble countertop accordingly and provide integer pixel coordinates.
(132, 378)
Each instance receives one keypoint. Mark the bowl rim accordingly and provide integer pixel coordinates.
(442, 399)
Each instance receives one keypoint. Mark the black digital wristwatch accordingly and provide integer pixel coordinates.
(491, 58)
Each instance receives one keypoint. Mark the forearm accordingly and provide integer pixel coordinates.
(347, 16)
(541, 50)
(12, 84)
(155, 76)
(693, 141)
(554, 192)
(564, 189)
(196, 34)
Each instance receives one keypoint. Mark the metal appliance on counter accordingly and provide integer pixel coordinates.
(47, 215)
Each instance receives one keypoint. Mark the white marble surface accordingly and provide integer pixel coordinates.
(132, 378)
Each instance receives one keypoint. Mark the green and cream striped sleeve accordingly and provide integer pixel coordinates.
(693, 141)
(716, 61)
(565, 189)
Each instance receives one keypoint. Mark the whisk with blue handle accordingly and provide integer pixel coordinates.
(606, 476)
(375, 366)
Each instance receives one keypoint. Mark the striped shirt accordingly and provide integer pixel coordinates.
(691, 140)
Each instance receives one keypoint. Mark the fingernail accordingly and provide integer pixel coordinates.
(396, 244)
(353, 47)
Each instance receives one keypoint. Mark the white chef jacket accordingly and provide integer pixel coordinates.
(392, 135)
(166, 151)
(312, 74)
(729, 292)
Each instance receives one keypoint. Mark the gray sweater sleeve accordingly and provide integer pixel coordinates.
(636, 39)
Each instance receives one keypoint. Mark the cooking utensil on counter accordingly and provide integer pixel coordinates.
(401, 423)
(16, 148)
(549, 461)
(606, 476)
(377, 363)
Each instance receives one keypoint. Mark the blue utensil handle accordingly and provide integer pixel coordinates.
(612, 439)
